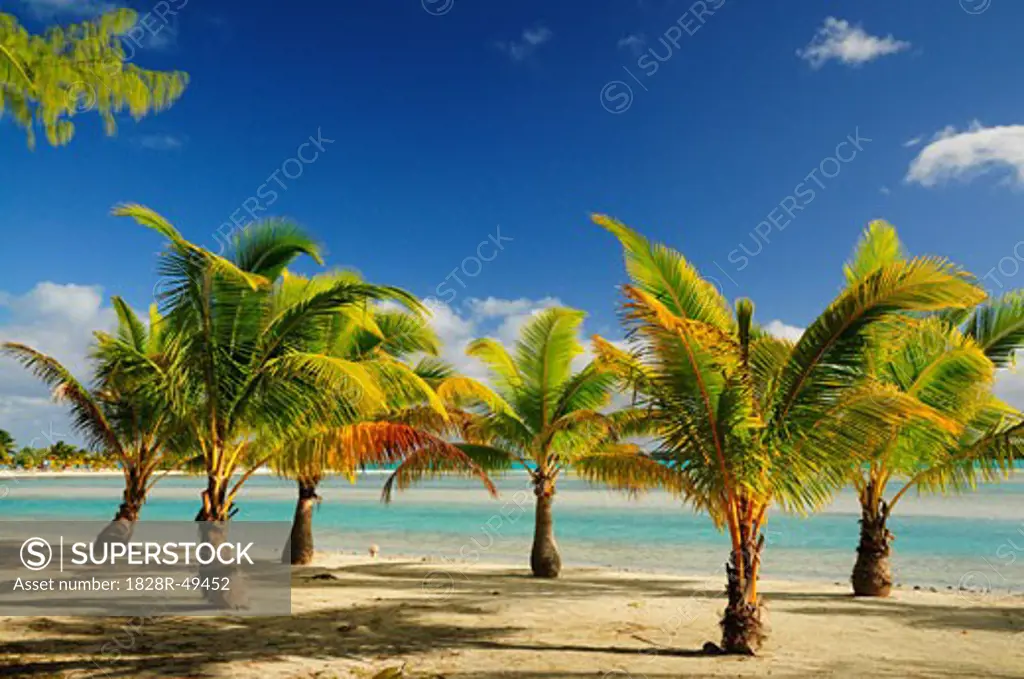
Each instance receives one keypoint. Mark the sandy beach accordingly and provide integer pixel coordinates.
(355, 617)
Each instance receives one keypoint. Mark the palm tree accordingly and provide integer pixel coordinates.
(380, 341)
(126, 415)
(246, 368)
(746, 420)
(947, 362)
(7, 447)
(47, 79)
(546, 417)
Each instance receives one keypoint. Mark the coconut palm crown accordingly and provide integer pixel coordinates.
(948, 362)
(383, 342)
(124, 413)
(248, 364)
(546, 416)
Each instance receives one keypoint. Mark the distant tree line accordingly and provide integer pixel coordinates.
(60, 455)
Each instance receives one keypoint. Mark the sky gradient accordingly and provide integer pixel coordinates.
(417, 139)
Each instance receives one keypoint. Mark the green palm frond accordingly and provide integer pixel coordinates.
(831, 352)
(992, 442)
(544, 352)
(879, 246)
(265, 248)
(625, 467)
(590, 389)
(434, 371)
(504, 371)
(998, 328)
(130, 328)
(666, 275)
(404, 334)
(87, 418)
(439, 458)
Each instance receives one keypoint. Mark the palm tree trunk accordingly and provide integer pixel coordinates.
(215, 505)
(743, 630)
(872, 574)
(299, 551)
(213, 518)
(545, 562)
(122, 527)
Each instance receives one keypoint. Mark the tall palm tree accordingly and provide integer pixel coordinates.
(381, 341)
(125, 414)
(48, 79)
(247, 366)
(546, 417)
(746, 420)
(947, 362)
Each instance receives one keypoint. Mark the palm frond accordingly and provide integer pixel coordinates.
(265, 248)
(998, 328)
(831, 352)
(87, 415)
(879, 246)
(666, 275)
(435, 458)
(625, 467)
(504, 372)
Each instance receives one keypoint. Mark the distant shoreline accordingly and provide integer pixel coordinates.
(117, 473)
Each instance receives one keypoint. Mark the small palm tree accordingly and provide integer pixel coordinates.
(380, 341)
(248, 365)
(746, 420)
(947, 362)
(125, 416)
(546, 417)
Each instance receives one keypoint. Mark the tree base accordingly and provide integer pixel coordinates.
(743, 630)
(872, 576)
(545, 562)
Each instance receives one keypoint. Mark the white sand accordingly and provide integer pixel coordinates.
(471, 622)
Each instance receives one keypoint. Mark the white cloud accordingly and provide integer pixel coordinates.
(58, 320)
(82, 9)
(910, 143)
(531, 39)
(494, 306)
(1010, 387)
(967, 154)
(884, 191)
(634, 42)
(851, 45)
(501, 319)
(784, 331)
(160, 142)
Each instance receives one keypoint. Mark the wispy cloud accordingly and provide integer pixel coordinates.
(160, 142)
(910, 143)
(848, 44)
(783, 330)
(531, 39)
(164, 36)
(634, 42)
(49, 9)
(971, 153)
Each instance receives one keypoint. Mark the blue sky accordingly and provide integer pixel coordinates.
(448, 118)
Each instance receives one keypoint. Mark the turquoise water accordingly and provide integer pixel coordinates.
(939, 541)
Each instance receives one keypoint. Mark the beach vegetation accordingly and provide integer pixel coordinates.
(747, 420)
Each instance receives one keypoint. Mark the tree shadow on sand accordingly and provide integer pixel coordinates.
(177, 647)
(411, 616)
